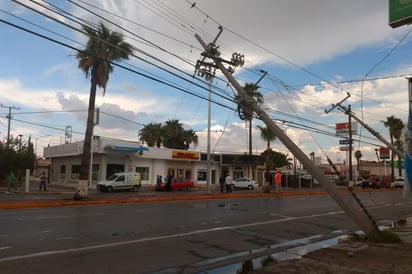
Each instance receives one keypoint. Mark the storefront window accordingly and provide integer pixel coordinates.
(144, 172)
(113, 168)
(62, 174)
(237, 173)
(201, 175)
(95, 172)
(75, 172)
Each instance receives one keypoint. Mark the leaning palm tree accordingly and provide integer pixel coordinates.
(245, 112)
(103, 48)
(267, 135)
(395, 126)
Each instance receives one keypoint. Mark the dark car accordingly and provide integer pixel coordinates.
(177, 184)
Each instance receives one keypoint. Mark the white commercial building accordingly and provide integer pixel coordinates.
(111, 155)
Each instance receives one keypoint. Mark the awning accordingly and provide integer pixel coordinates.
(126, 149)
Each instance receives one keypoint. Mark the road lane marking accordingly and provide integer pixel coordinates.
(149, 239)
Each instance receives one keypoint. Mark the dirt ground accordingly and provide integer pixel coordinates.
(349, 257)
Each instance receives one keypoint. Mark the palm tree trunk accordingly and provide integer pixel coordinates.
(250, 151)
(392, 163)
(82, 189)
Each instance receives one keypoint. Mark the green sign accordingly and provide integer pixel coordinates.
(400, 12)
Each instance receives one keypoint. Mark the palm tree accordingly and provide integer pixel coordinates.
(173, 134)
(151, 134)
(267, 135)
(189, 137)
(312, 156)
(96, 60)
(244, 110)
(400, 145)
(358, 156)
(395, 126)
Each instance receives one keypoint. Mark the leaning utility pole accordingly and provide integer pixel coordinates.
(364, 221)
(349, 112)
(9, 118)
(350, 149)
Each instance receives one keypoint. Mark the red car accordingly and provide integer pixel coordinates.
(177, 184)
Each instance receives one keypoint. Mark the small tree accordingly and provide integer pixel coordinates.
(358, 156)
(267, 135)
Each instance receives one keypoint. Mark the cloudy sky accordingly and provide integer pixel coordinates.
(315, 53)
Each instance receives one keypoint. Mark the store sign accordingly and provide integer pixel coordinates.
(345, 142)
(185, 155)
(343, 128)
(344, 148)
(400, 13)
(384, 153)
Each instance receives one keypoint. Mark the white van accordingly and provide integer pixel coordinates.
(120, 181)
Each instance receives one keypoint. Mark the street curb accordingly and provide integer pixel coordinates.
(42, 203)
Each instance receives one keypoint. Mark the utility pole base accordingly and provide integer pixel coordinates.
(82, 191)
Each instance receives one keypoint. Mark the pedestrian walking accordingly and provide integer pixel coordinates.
(278, 181)
(228, 183)
(43, 180)
(11, 178)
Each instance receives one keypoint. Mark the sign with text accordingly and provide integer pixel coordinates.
(185, 155)
(344, 148)
(384, 153)
(343, 128)
(400, 13)
(345, 142)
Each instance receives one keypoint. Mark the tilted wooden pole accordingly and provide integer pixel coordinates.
(365, 223)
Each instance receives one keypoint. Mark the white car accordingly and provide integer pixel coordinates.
(244, 183)
(399, 182)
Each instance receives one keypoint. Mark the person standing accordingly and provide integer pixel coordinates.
(11, 178)
(43, 180)
(222, 182)
(278, 181)
(228, 183)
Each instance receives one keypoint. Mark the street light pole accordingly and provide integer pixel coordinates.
(35, 145)
(209, 113)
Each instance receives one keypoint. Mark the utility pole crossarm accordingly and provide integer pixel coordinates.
(9, 119)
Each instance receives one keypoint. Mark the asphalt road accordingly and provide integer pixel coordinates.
(176, 237)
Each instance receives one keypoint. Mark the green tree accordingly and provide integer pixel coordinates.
(280, 159)
(103, 48)
(358, 156)
(245, 112)
(267, 135)
(19, 156)
(395, 126)
(312, 156)
(190, 137)
(400, 145)
(151, 134)
(172, 132)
